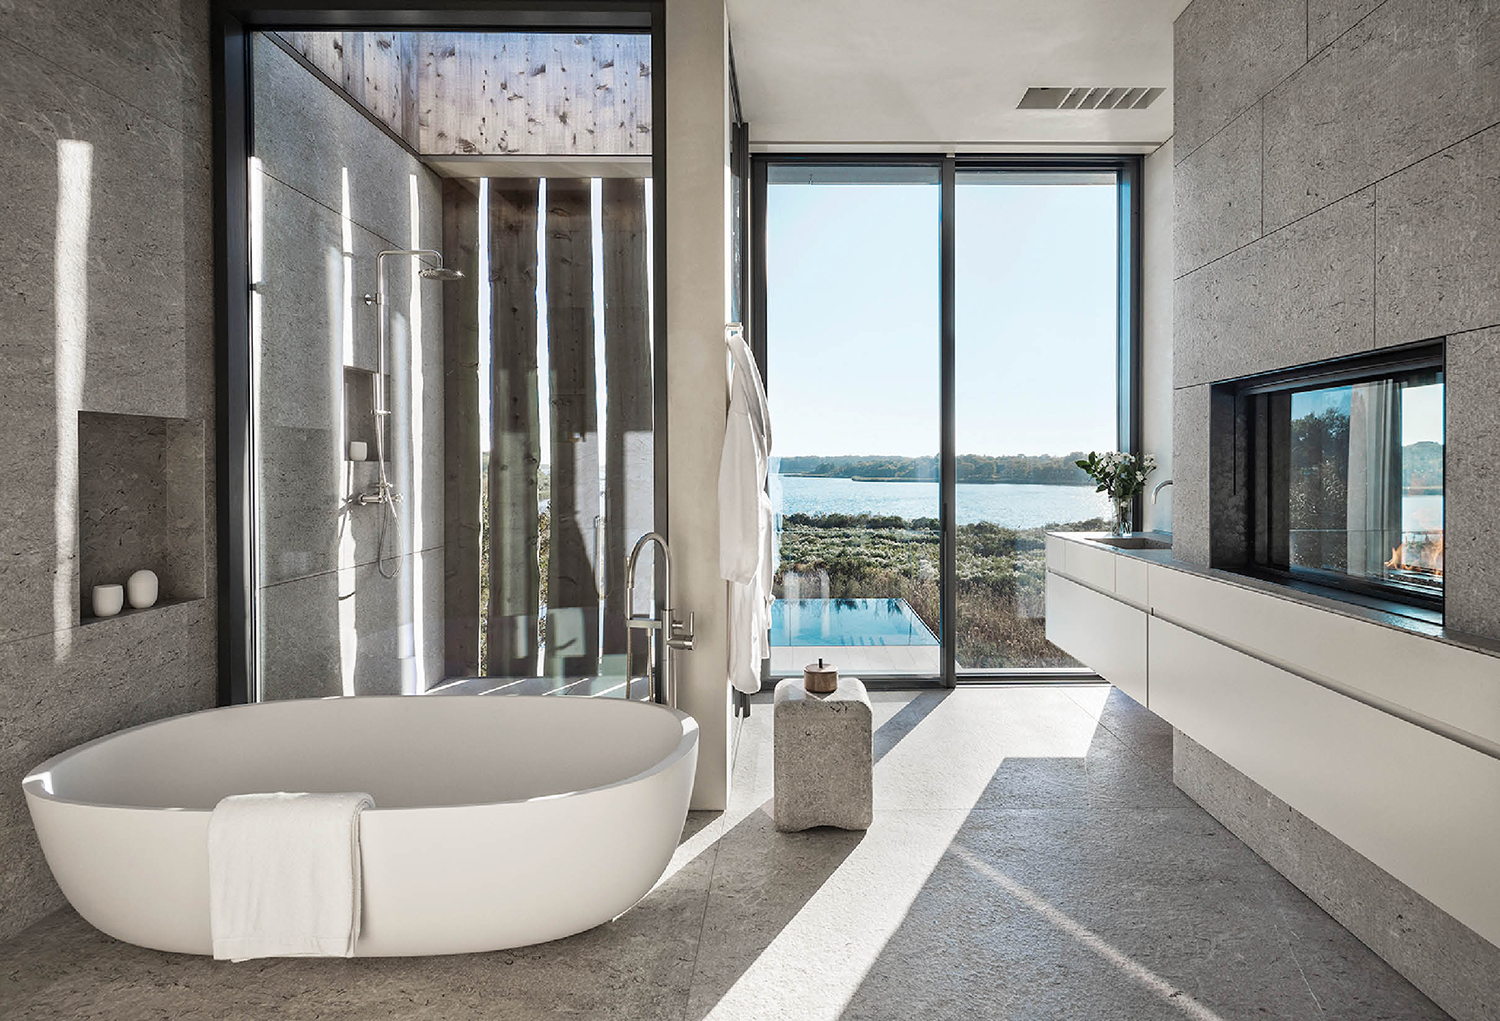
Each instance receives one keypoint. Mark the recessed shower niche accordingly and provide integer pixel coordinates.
(140, 504)
(359, 411)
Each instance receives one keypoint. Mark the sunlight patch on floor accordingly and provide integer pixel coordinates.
(1092, 697)
(932, 779)
(814, 966)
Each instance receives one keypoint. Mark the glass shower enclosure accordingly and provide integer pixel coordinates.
(449, 467)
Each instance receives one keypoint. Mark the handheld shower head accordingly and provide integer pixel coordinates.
(440, 273)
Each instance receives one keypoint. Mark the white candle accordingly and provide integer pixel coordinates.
(108, 600)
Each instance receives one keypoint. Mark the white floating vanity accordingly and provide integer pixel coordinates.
(1384, 730)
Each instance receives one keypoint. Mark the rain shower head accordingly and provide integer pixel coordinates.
(440, 273)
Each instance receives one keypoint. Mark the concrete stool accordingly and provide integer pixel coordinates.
(824, 758)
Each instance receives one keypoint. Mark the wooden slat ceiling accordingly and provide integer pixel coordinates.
(471, 93)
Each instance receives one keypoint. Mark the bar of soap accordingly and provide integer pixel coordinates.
(820, 678)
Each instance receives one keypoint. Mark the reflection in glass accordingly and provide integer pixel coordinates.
(1365, 481)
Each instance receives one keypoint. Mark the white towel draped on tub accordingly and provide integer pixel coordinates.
(284, 875)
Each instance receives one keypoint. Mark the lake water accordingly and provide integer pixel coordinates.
(1012, 505)
(1008, 504)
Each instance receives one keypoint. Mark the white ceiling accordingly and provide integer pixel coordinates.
(947, 74)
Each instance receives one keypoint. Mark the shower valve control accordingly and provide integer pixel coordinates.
(377, 496)
(680, 636)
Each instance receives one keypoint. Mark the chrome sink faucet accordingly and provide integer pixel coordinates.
(676, 637)
(1157, 491)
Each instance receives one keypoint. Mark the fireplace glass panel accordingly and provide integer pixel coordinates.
(1364, 481)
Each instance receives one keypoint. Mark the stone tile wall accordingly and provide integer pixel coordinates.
(1338, 191)
(106, 257)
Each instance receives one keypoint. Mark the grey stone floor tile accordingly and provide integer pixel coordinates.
(636, 967)
(1123, 716)
(894, 720)
(951, 759)
(1106, 861)
(1120, 777)
(1114, 915)
(751, 782)
(1146, 736)
(762, 880)
(1341, 973)
(1036, 783)
(1011, 948)
(1155, 750)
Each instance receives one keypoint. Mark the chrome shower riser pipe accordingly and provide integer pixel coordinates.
(385, 494)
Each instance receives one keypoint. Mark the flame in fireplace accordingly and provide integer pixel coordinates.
(1420, 557)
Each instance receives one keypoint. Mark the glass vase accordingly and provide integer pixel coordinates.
(1120, 522)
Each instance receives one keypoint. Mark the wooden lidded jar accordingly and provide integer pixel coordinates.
(820, 678)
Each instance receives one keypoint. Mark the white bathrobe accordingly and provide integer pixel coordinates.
(746, 557)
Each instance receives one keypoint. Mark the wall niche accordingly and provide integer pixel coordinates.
(359, 415)
(140, 505)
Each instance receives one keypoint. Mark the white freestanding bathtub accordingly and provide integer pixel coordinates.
(499, 821)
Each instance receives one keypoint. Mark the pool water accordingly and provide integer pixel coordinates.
(847, 622)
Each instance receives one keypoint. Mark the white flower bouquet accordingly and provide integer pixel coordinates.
(1121, 476)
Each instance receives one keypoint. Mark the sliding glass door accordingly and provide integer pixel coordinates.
(1036, 306)
(932, 384)
(852, 301)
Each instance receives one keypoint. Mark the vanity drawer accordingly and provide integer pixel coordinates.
(1094, 567)
(1102, 633)
(1130, 581)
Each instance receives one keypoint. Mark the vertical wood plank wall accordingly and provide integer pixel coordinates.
(629, 496)
(515, 431)
(619, 450)
(448, 93)
(461, 477)
(572, 593)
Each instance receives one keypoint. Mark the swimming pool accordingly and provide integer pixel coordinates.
(847, 622)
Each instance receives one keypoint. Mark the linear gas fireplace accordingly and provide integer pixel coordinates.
(1331, 475)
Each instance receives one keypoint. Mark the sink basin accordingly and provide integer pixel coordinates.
(1133, 542)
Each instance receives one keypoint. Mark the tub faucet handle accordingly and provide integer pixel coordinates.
(680, 636)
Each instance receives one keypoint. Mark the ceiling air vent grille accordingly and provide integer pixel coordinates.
(1086, 98)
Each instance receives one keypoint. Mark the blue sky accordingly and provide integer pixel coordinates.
(1421, 409)
(1422, 414)
(852, 318)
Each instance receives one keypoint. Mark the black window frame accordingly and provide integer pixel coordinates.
(1250, 535)
(1128, 168)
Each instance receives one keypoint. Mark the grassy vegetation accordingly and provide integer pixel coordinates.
(1000, 584)
(544, 549)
